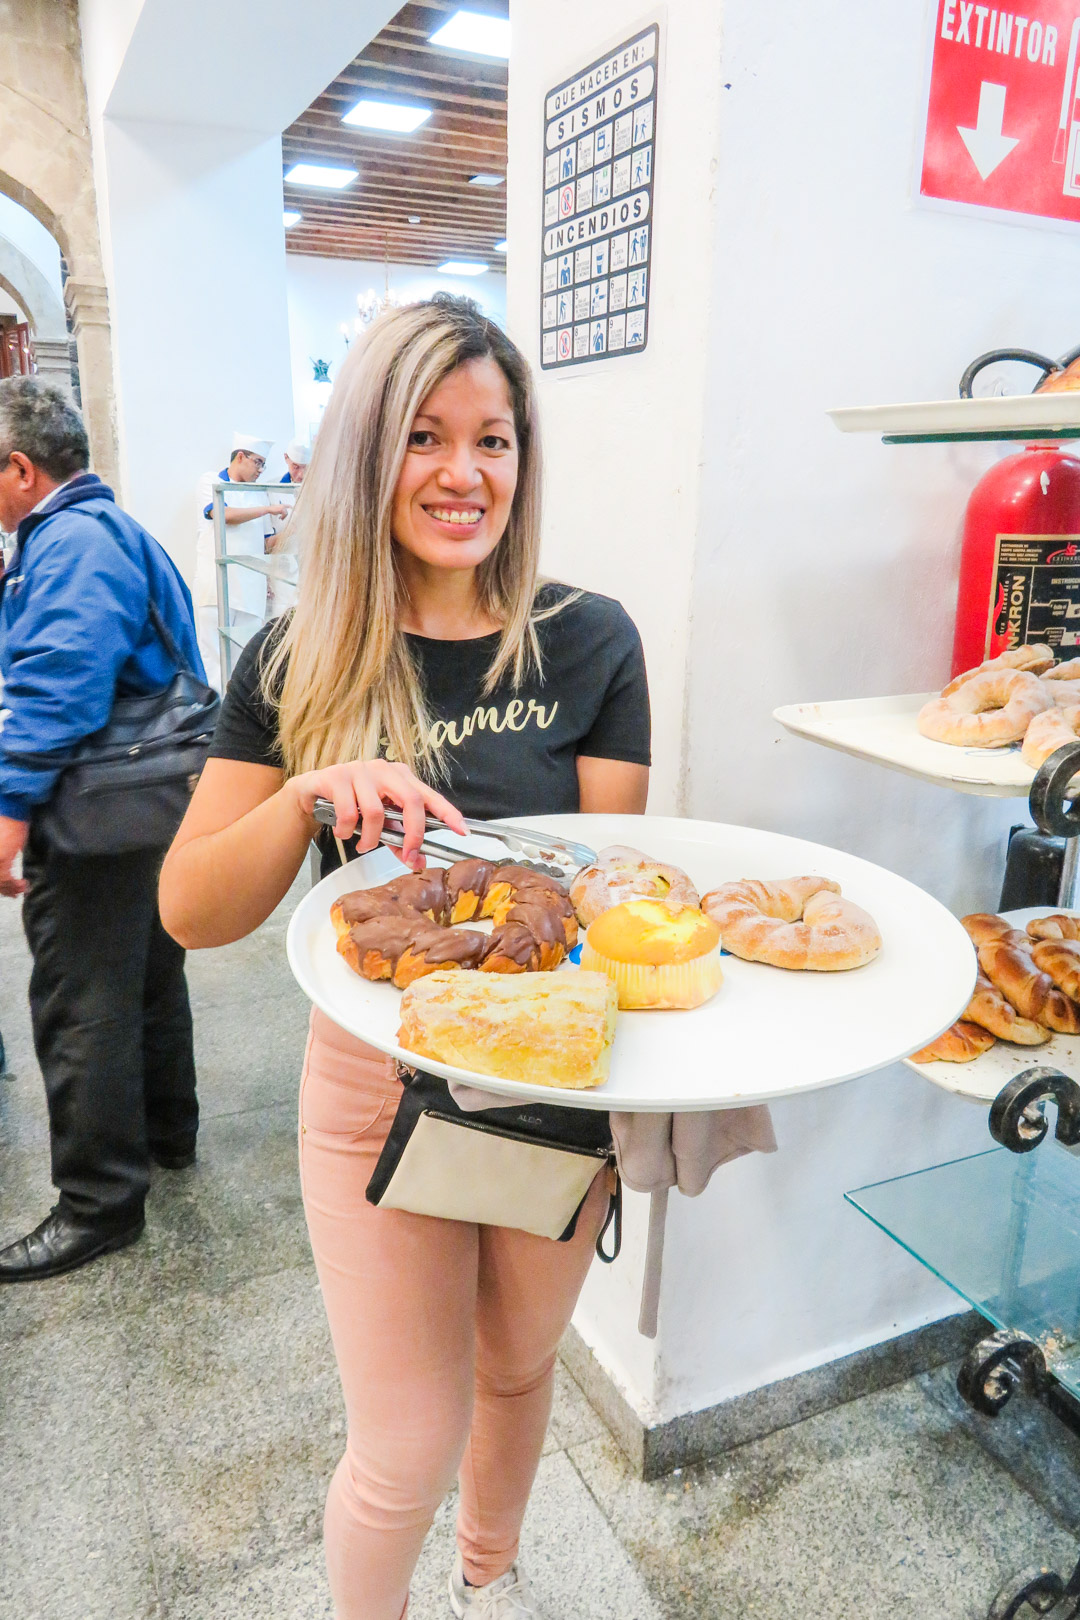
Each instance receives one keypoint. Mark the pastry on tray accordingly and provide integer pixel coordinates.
(549, 1029)
(656, 954)
(619, 874)
(962, 1042)
(406, 929)
(801, 923)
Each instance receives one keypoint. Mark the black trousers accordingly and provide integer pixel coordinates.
(112, 1027)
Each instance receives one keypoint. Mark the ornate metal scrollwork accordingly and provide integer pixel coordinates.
(1017, 1115)
(1048, 792)
(996, 1367)
(1038, 1592)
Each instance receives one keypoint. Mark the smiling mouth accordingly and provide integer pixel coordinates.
(463, 518)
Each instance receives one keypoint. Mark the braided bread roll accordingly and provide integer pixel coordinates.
(1048, 732)
(797, 923)
(1057, 926)
(1061, 959)
(959, 1044)
(989, 1009)
(982, 926)
(1067, 670)
(1036, 660)
(1009, 964)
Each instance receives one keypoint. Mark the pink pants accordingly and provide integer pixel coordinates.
(445, 1335)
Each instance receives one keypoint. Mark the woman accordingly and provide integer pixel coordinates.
(421, 651)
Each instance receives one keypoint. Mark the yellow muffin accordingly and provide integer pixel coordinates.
(657, 954)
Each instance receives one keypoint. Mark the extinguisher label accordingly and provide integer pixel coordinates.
(1036, 592)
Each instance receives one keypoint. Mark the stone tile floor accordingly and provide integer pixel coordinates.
(170, 1416)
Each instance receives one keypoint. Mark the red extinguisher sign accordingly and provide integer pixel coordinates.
(1003, 108)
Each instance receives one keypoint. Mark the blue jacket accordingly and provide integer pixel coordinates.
(75, 633)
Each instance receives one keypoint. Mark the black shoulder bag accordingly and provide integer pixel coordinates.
(127, 786)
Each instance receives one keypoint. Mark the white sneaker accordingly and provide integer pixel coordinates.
(508, 1598)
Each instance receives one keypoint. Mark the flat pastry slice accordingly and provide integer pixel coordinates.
(548, 1029)
(961, 1043)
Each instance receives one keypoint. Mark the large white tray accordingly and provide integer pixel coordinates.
(1006, 414)
(883, 730)
(768, 1033)
(981, 1080)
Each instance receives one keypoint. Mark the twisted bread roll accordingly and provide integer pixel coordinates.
(991, 710)
(1009, 964)
(1037, 660)
(1061, 959)
(982, 926)
(1048, 732)
(989, 1009)
(620, 874)
(1057, 926)
(1067, 670)
(800, 923)
(959, 1044)
(1066, 694)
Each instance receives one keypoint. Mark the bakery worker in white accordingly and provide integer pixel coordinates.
(246, 519)
(284, 545)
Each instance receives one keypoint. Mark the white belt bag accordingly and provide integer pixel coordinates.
(528, 1166)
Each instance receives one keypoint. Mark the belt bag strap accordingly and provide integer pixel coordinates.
(528, 1167)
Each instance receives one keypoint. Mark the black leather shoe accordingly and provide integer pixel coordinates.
(172, 1160)
(58, 1245)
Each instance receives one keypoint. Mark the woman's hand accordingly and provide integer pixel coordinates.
(360, 791)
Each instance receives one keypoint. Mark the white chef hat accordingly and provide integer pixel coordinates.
(248, 441)
(298, 451)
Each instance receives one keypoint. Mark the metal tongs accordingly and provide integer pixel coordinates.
(545, 852)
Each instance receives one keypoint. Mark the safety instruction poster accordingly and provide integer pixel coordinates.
(597, 248)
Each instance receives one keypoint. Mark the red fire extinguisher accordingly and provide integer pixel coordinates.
(1020, 559)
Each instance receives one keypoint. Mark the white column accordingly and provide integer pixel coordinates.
(186, 105)
(767, 559)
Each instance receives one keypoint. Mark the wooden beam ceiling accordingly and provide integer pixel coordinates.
(424, 175)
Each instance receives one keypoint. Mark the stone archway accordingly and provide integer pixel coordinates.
(47, 168)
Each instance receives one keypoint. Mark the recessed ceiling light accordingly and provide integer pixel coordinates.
(320, 174)
(500, 247)
(476, 32)
(414, 219)
(462, 267)
(390, 115)
(291, 217)
(486, 179)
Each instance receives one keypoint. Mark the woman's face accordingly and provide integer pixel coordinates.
(453, 496)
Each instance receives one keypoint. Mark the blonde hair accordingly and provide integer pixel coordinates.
(341, 675)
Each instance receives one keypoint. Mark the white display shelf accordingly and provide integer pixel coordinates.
(1011, 416)
(883, 730)
(981, 1080)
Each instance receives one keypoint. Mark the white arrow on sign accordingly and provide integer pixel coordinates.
(986, 144)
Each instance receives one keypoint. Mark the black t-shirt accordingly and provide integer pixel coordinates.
(513, 752)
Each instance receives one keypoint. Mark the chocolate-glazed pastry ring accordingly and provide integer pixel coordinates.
(407, 928)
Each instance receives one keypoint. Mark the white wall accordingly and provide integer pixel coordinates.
(769, 559)
(322, 295)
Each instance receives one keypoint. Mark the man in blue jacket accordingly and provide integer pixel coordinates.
(108, 1000)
